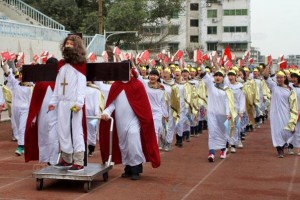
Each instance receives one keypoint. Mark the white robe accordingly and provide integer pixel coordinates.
(279, 113)
(240, 106)
(128, 128)
(47, 131)
(158, 107)
(171, 123)
(74, 95)
(2, 100)
(104, 88)
(20, 107)
(261, 96)
(217, 109)
(92, 106)
(295, 139)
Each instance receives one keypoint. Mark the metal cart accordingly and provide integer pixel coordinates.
(91, 171)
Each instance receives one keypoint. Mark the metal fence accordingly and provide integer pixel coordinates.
(95, 44)
(14, 29)
(34, 14)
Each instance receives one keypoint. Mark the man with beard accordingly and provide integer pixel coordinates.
(68, 98)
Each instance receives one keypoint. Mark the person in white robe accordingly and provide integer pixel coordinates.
(22, 92)
(294, 141)
(218, 111)
(283, 112)
(170, 87)
(156, 95)
(68, 98)
(92, 106)
(239, 105)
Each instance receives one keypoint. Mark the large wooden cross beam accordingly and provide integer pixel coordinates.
(95, 72)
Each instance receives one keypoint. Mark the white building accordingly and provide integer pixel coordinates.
(209, 25)
(294, 60)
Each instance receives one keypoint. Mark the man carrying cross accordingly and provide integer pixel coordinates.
(68, 99)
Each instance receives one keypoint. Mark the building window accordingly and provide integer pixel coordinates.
(194, 38)
(212, 13)
(175, 15)
(211, 30)
(194, 6)
(235, 12)
(173, 47)
(152, 30)
(212, 46)
(174, 30)
(235, 29)
(238, 46)
(194, 22)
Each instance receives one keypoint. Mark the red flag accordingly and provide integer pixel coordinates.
(282, 65)
(105, 56)
(13, 56)
(5, 55)
(269, 59)
(159, 56)
(228, 64)
(205, 57)
(281, 58)
(152, 62)
(21, 57)
(145, 56)
(35, 57)
(166, 59)
(178, 55)
(227, 53)
(45, 53)
(251, 60)
(197, 56)
(240, 63)
(92, 57)
(117, 51)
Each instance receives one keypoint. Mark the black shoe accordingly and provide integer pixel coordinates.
(135, 177)
(177, 140)
(91, 150)
(251, 129)
(127, 172)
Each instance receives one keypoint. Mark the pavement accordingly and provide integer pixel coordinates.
(253, 172)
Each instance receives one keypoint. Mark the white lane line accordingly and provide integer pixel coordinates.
(203, 179)
(7, 158)
(290, 189)
(12, 183)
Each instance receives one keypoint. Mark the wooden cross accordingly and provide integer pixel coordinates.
(94, 72)
(64, 84)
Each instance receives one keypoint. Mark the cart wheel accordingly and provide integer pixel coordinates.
(87, 186)
(105, 176)
(39, 183)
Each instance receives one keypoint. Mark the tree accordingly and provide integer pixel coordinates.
(128, 15)
(120, 15)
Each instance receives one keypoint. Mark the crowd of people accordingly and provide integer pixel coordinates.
(158, 109)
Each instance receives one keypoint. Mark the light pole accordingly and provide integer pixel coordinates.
(117, 33)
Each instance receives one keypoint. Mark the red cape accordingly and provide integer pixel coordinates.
(31, 132)
(79, 67)
(138, 100)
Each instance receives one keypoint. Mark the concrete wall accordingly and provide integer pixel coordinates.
(29, 47)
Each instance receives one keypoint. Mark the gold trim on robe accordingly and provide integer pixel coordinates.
(293, 112)
(175, 103)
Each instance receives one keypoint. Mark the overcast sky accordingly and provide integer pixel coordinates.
(275, 26)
